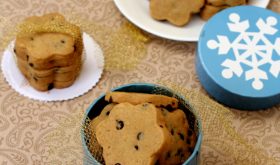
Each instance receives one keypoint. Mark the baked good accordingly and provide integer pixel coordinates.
(183, 139)
(176, 12)
(49, 51)
(180, 12)
(138, 98)
(208, 11)
(104, 114)
(212, 7)
(138, 128)
(133, 134)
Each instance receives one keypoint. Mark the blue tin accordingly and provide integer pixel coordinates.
(238, 57)
(98, 104)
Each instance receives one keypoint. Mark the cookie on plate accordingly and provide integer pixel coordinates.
(176, 12)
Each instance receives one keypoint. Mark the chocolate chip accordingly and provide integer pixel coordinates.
(110, 99)
(169, 107)
(35, 78)
(157, 162)
(120, 124)
(50, 86)
(190, 149)
(62, 41)
(172, 131)
(136, 147)
(161, 126)
(108, 113)
(190, 132)
(31, 38)
(179, 152)
(31, 64)
(161, 106)
(140, 136)
(188, 141)
(182, 137)
(168, 155)
(145, 105)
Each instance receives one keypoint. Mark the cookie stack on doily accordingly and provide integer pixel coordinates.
(48, 50)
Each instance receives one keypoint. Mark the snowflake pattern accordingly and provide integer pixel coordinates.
(252, 49)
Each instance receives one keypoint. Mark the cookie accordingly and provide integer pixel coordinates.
(183, 138)
(214, 6)
(104, 114)
(94, 146)
(49, 51)
(216, 2)
(235, 2)
(138, 98)
(208, 11)
(133, 134)
(176, 12)
(50, 23)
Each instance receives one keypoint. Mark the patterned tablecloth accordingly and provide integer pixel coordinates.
(33, 132)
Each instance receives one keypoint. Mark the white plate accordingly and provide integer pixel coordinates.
(93, 64)
(137, 11)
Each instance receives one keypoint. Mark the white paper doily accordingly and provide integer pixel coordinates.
(92, 68)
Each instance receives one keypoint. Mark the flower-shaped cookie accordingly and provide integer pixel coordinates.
(174, 11)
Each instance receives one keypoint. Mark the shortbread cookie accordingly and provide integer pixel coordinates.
(138, 98)
(208, 11)
(183, 138)
(104, 114)
(94, 146)
(216, 2)
(174, 11)
(226, 2)
(214, 6)
(133, 134)
(56, 73)
(50, 23)
(235, 2)
(47, 50)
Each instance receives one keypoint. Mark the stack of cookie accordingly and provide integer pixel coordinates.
(214, 6)
(48, 51)
(138, 128)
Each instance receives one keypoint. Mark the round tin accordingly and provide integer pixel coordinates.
(96, 107)
(238, 57)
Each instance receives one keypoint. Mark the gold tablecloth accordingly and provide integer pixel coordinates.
(33, 132)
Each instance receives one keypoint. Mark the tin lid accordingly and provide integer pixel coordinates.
(238, 60)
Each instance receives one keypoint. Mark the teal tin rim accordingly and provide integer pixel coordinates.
(99, 103)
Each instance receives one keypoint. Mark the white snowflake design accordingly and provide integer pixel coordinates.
(252, 49)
